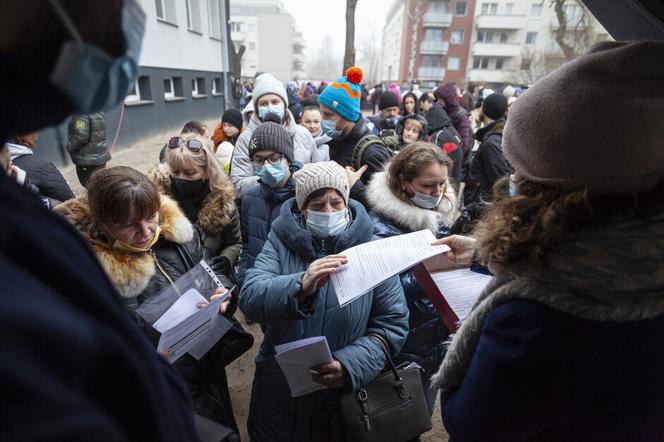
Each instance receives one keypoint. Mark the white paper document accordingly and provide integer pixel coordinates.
(461, 288)
(372, 263)
(185, 306)
(298, 357)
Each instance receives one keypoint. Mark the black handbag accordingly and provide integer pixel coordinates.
(391, 407)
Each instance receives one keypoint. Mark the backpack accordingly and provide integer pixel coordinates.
(447, 139)
(363, 144)
(460, 113)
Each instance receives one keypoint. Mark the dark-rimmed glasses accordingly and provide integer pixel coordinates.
(273, 159)
(192, 144)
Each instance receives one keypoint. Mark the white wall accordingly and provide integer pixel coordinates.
(174, 46)
(391, 45)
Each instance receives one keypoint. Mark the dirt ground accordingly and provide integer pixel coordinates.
(144, 156)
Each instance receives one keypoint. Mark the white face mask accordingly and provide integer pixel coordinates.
(425, 201)
(324, 225)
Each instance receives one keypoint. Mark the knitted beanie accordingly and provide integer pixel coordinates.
(234, 117)
(343, 96)
(267, 84)
(388, 99)
(321, 175)
(604, 132)
(495, 106)
(271, 136)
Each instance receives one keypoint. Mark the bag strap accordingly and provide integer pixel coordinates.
(388, 354)
(361, 147)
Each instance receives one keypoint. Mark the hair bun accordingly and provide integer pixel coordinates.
(354, 75)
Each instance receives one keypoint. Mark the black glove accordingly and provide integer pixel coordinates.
(221, 265)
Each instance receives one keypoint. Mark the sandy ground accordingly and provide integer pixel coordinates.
(144, 156)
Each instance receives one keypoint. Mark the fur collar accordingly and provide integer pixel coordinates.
(129, 272)
(218, 207)
(387, 204)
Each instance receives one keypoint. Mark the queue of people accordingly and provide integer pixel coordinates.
(563, 344)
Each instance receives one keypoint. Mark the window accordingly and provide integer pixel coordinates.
(141, 91)
(531, 38)
(456, 38)
(236, 27)
(251, 27)
(252, 46)
(504, 36)
(194, 16)
(480, 62)
(494, 9)
(484, 64)
(433, 34)
(173, 88)
(431, 61)
(485, 36)
(489, 8)
(437, 7)
(499, 63)
(536, 10)
(453, 63)
(461, 8)
(216, 86)
(166, 10)
(525, 64)
(198, 87)
(213, 19)
(508, 8)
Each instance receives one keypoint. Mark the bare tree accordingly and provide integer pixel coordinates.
(325, 64)
(415, 18)
(576, 31)
(349, 55)
(369, 52)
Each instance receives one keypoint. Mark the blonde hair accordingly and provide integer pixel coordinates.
(181, 157)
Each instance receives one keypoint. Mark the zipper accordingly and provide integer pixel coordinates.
(366, 418)
(163, 272)
(323, 251)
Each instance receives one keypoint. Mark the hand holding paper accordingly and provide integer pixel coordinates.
(319, 272)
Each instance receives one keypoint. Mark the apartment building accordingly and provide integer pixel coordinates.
(272, 42)
(427, 41)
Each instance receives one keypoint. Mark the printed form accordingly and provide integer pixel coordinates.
(461, 289)
(372, 263)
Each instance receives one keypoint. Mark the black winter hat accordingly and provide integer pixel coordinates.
(495, 106)
(388, 99)
(234, 117)
(271, 136)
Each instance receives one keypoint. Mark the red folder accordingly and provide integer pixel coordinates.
(450, 319)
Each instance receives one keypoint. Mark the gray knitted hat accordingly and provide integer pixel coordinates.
(322, 175)
(267, 84)
(593, 123)
(271, 136)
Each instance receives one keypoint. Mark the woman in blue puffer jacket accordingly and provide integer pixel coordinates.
(288, 293)
(415, 193)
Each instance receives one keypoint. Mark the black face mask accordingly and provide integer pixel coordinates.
(190, 195)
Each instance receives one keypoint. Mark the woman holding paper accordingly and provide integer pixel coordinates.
(144, 243)
(567, 341)
(288, 293)
(412, 194)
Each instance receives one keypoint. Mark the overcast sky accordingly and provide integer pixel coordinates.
(318, 18)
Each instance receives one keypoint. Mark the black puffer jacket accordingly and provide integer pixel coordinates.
(376, 155)
(488, 164)
(87, 140)
(41, 173)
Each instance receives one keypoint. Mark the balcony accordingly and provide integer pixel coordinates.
(430, 73)
(299, 57)
(574, 23)
(437, 20)
(237, 36)
(434, 47)
(496, 49)
(489, 76)
(506, 22)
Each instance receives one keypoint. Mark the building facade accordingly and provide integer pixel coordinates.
(182, 74)
(427, 41)
(269, 35)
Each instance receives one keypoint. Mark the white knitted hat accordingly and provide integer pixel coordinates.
(267, 84)
(322, 175)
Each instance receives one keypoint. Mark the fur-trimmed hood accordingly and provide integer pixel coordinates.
(218, 207)
(385, 203)
(129, 272)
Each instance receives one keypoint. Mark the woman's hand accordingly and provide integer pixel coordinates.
(354, 175)
(461, 255)
(331, 375)
(221, 291)
(318, 274)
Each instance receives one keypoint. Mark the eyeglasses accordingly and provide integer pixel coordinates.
(192, 144)
(273, 159)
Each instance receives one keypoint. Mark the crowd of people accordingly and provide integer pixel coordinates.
(563, 344)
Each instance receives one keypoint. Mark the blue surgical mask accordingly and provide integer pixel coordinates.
(91, 78)
(276, 109)
(329, 128)
(271, 174)
(391, 122)
(324, 225)
(514, 188)
(425, 201)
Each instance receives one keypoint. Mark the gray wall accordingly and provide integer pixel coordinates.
(149, 117)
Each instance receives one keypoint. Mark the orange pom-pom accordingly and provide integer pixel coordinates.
(354, 75)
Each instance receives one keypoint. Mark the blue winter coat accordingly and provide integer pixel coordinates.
(260, 207)
(538, 374)
(269, 296)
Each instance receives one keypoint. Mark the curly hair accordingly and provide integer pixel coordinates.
(526, 226)
(409, 164)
